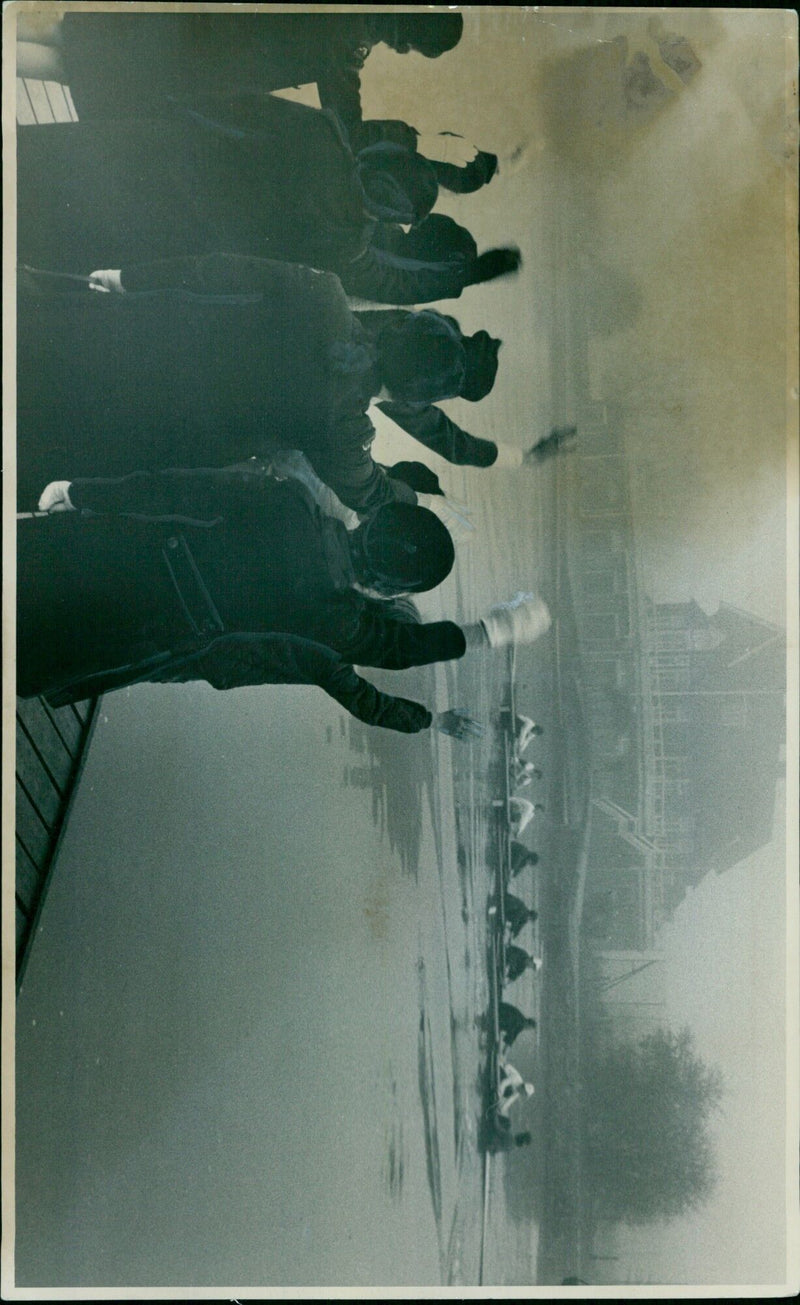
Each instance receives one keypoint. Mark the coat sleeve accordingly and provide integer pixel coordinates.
(377, 130)
(440, 434)
(213, 275)
(368, 636)
(201, 496)
(466, 180)
(235, 660)
(339, 90)
(383, 279)
(341, 454)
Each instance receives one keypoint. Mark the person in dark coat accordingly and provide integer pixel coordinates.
(496, 1135)
(182, 575)
(517, 961)
(521, 857)
(517, 914)
(266, 177)
(436, 259)
(123, 65)
(239, 357)
(513, 1022)
(200, 360)
(129, 65)
(192, 575)
(236, 361)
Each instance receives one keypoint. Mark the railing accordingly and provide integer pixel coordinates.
(51, 749)
(43, 102)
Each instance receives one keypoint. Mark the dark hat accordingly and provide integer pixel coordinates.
(481, 353)
(399, 185)
(421, 357)
(408, 546)
(417, 476)
(430, 34)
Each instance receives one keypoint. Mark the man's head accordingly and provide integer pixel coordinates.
(528, 1089)
(402, 549)
(424, 357)
(523, 1139)
(429, 34)
(421, 357)
(399, 185)
(530, 1024)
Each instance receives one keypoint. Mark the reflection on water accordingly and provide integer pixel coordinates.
(430, 799)
(427, 1094)
(395, 1157)
(397, 769)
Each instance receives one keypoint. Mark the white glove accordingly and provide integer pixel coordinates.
(522, 620)
(108, 281)
(55, 497)
(509, 457)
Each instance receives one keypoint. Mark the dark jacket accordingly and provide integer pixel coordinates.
(202, 362)
(272, 179)
(440, 434)
(512, 1022)
(517, 913)
(434, 260)
(517, 960)
(190, 575)
(122, 65)
(520, 857)
(259, 176)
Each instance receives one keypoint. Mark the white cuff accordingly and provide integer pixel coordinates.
(509, 457)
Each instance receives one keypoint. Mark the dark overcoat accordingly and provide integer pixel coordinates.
(127, 64)
(182, 574)
(100, 194)
(109, 384)
(258, 176)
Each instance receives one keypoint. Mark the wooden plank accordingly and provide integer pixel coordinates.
(31, 831)
(25, 114)
(37, 842)
(38, 784)
(58, 101)
(28, 880)
(81, 710)
(64, 720)
(68, 97)
(39, 100)
(46, 739)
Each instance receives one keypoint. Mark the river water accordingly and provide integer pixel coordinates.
(247, 1041)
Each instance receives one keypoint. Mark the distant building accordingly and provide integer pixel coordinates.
(686, 713)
